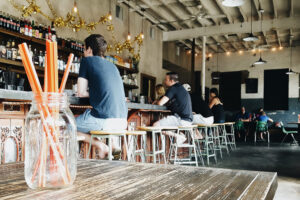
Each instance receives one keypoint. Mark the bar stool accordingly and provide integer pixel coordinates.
(208, 142)
(189, 133)
(222, 136)
(133, 147)
(230, 135)
(215, 133)
(108, 134)
(156, 150)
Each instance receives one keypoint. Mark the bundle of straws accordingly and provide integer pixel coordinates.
(48, 115)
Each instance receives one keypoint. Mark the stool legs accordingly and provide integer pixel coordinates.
(155, 146)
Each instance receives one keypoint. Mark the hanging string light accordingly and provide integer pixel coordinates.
(142, 33)
(75, 9)
(110, 13)
(128, 35)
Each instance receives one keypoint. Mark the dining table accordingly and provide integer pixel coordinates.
(102, 179)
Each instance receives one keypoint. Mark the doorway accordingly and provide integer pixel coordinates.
(148, 86)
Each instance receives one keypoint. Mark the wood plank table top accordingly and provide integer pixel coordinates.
(123, 180)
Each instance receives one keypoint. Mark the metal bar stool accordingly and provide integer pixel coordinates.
(156, 149)
(133, 146)
(207, 142)
(215, 132)
(222, 137)
(230, 135)
(189, 133)
(108, 134)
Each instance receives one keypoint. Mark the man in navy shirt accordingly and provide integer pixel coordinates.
(243, 115)
(100, 80)
(178, 100)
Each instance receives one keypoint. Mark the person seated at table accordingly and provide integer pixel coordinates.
(178, 100)
(160, 92)
(264, 118)
(216, 106)
(243, 115)
(258, 114)
(100, 80)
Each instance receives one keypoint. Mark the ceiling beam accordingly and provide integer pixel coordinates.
(265, 37)
(217, 41)
(224, 10)
(231, 43)
(291, 8)
(245, 18)
(205, 7)
(278, 38)
(256, 6)
(282, 23)
(245, 44)
(275, 8)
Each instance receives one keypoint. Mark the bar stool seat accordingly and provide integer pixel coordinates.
(133, 149)
(158, 148)
(108, 134)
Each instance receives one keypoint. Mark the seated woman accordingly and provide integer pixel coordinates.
(160, 92)
(216, 106)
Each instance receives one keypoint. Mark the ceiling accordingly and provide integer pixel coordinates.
(187, 19)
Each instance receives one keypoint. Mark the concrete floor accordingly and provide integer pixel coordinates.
(285, 160)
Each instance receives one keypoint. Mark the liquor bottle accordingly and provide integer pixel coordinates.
(1, 19)
(8, 50)
(29, 29)
(40, 32)
(26, 30)
(49, 33)
(35, 57)
(4, 21)
(12, 24)
(53, 32)
(18, 25)
(7, 23)
(2, 50)
(22, 26)
(14, 50)
(41, 59)
(30, 51)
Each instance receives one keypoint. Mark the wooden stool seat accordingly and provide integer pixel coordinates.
(109, 132)
(208, 126)
(229, 123)
(190, 126)
(154, 128)
(136, 133)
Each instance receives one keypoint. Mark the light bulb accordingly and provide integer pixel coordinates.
(75, 9)
(240, 51)
(210, 55)
(128, 36)
(109, 16)
(142, 35)
(228, 53)
(196, 54)
(274, 49)
(280, 48)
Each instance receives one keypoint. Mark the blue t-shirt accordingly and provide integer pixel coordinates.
(180, 102)
(263, 118)
(106, 88)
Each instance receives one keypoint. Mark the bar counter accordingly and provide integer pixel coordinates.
(15, 104)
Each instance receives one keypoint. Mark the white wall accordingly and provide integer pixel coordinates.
(91, 10)
(236, 62)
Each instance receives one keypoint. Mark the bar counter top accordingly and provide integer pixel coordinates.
(27, 96)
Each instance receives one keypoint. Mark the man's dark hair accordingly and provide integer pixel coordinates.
(97, 44)
(215, 91)
(173, 76)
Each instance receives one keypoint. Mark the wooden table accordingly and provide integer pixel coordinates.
(122, 180)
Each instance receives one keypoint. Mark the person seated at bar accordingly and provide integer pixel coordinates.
(100, 80)
(264, 118)
(216, 106)
(243, 115)
(178, 100)
(160, 92)
(202, 113)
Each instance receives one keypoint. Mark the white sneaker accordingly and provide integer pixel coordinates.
(180, 139)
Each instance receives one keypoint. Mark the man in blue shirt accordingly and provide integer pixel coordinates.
(100, 80)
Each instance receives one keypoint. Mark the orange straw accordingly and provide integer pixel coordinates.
(66, 74)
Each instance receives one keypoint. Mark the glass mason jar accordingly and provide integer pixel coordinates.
(50, 142)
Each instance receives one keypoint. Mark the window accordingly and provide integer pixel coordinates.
(152, 33)
(276, 89)
(119, 12)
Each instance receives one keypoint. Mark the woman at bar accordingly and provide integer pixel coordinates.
(160, 92)
(216, 106)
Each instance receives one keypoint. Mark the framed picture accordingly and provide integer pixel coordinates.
(251, 85)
